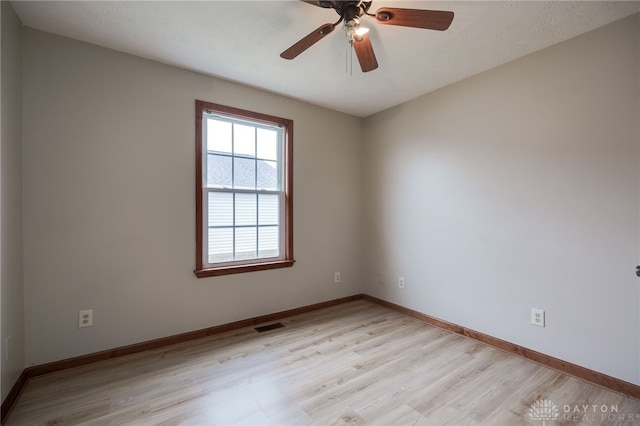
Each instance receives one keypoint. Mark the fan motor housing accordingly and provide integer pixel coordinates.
(327, 4)
(348, 9)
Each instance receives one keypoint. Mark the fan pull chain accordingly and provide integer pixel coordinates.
(349, 56)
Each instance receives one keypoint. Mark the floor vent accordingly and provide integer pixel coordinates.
(264, 328)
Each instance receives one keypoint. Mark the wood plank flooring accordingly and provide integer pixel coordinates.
(356, 363)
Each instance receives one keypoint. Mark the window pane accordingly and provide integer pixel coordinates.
(219, 171)
(268, 209)
(244, 173)
(268, 241)
(220, 245)
(246, 243)
(218, 136)
(267, 175)
(244, 140)
(220, 209)
(243, 158)
(246, 209)
(267, 144)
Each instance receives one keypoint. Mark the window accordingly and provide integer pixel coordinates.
(244, 182)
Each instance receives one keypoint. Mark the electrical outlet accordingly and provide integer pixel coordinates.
(85, 318)
(537, 317)
(6, 348)
(336, 277)
(401, 282)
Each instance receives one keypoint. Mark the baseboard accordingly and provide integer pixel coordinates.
(12, 397)
(52, 367)
(610, 383)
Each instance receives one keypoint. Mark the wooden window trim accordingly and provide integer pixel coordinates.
(202, 270)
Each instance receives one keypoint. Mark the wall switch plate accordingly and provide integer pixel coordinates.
(401, 282)
(336, 277)
(85, 318)
(537, 317)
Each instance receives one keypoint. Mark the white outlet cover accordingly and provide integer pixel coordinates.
(6, 346)
(85, 318)
(537, 317)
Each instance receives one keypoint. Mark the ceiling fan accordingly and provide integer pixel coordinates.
(350, 13)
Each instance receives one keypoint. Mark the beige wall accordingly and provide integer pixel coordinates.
(12, 291)
(109, 202)
(519, 188)
(513, 189)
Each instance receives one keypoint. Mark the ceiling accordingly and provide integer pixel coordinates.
(241, 41)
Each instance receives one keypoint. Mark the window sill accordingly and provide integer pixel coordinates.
(228, 270)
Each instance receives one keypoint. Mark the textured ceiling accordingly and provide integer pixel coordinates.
(241, 41)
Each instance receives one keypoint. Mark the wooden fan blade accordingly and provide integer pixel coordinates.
(307, 41)
(365, 54)
(416, 18)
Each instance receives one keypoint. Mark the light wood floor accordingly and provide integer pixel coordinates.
(355, 363)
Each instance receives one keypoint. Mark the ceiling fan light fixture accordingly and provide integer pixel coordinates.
(357, 37)
(354, 30)
(360, 31)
